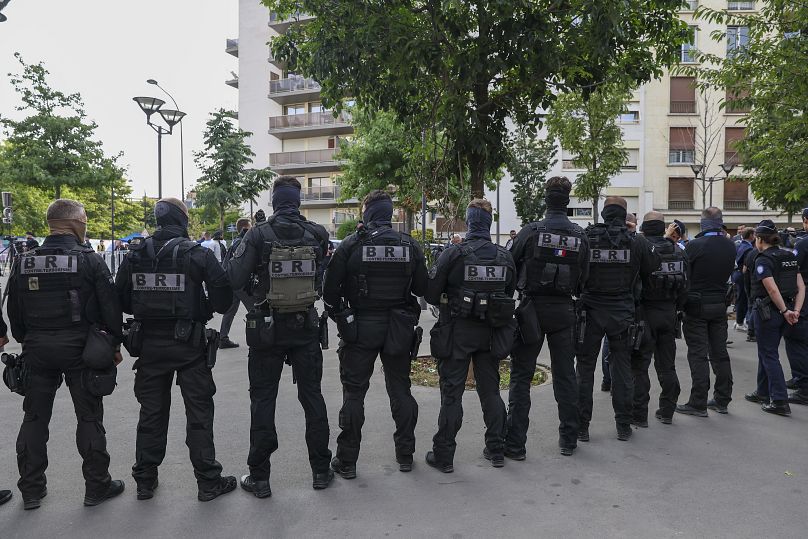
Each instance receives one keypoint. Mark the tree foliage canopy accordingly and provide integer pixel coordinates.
(528, 163)
(466, 66)
(768, 76)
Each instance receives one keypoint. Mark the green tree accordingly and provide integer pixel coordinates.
(768, 77)
(346, 228)
(53, 146)
(586, 126)
(465, 67)
(226, 181)
(528, 163)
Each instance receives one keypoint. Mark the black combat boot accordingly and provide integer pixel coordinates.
(116, 486)
(259, 489)
(343, 469)
(226, 484)
(145, 490)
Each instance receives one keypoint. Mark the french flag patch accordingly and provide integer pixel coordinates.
(560, 252)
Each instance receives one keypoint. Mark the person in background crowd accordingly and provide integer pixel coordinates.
(217, 245)
(779, 291)
(712, 258)
(260, 216)
(677, 231)
(455, 239)
(102, 247)
(737, 238)
(239, 296)
(30, 241)
(510, 241)
(741, 299)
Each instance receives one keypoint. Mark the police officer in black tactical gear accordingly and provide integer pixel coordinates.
(369, 290)
(778, 291)
(5, 495)
(712, 259)
(285, 252)
(58, 293)
(663, 295)
(552, 262)
(160, 283)
(239, 296)
(473, 284)
(617, 259)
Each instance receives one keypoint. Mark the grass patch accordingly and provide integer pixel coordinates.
(424, 372)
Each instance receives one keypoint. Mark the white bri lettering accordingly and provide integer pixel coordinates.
(49, 264)
(485, 273)
(158, 282)
(610, 256)
(559, 241)
(671, 268)
(283, 269)
(385, 253)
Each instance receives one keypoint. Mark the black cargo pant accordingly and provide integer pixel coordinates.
(556, 317)
(706, 339)
(471, 343)
(598, 325)
(659, 341)
(160, 358)
(356, 367)
(296, 342)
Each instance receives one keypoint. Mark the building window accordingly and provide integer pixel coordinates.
(632, 163)
(569, 161)
(293, 110)
(736, 195)
(680, 193)
(682, 146)
(683, 95)
(732, 104)
(690, 5)
(732, 135)
(737, 38)
(687, 50)
(316, 106)
(629, 117)
(579, 212)
(742, 5)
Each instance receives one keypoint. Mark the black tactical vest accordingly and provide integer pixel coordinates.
(54, 287)
(484, 281)
(385, 261)
(612, 269)
(289, 264)
(554, 269)
(162, 288)
(670, 279)
(784, 272)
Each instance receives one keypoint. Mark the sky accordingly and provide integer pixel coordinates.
(106, 49)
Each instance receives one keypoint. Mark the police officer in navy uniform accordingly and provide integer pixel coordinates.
(56, 293)
(160, 283)
(473, 284)
(285, 252)
(552, 263)
(663, 295)
(796, 336)
(712, 259)
(617, 259)
(779, 293)
(370, 288)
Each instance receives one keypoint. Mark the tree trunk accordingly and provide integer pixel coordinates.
(477, 169)
(595, 213)
(221, 218)
(58, 191)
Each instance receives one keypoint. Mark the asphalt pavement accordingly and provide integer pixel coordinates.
(737, 475)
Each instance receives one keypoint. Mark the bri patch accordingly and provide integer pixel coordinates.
(158, 282)
(559, 242)
(385, 253)
(610, 256)
(485, 273)
(49, 264)
(284, 269)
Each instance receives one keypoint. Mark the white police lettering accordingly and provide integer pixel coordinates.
(789, 264)
(158, 282)
(282, 269)
(610, 256)
(49, 264)
(559, 241)
(485, 273)
(385, 253)
(668, 268)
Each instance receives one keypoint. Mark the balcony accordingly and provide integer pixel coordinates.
(293, 90)
(736, 204)
(323, 193)
(281, 25)
(232, 82)
(680, 204)
(683, 107)
(743, 5)
(232, 47)
(277, 62)
(312, 124)
(305, 161)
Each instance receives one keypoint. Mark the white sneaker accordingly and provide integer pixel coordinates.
(736, 326)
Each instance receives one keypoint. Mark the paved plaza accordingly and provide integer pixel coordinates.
(739, 475)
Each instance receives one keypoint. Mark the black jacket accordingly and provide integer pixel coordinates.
(712, 260)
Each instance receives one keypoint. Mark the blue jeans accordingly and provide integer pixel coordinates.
(770, 378)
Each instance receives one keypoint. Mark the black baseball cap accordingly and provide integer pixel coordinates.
(766, 226)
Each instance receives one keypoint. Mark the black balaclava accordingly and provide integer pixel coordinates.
(557, 199)
(286, 200)
(379, 212)
(172, 216)
(614, 212)
(653, 227)
(260, 216)
(478, 222)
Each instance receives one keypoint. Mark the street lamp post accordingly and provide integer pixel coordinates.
(182, 148)
(696, 171)
(150, 105)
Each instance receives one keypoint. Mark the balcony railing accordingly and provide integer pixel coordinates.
(292, 84)
(736, 204)
(680, 204)
(311, 119)
(307, 157)
(232, 47)
(732, 158)
(275, 18)
(734, 107)
(743, 5)
(326, 192)
(683, 107)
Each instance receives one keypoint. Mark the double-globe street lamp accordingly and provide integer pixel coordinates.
(182, 146)
(700, 170)
(150, 105)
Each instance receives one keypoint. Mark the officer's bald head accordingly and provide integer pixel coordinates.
(654, 216)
